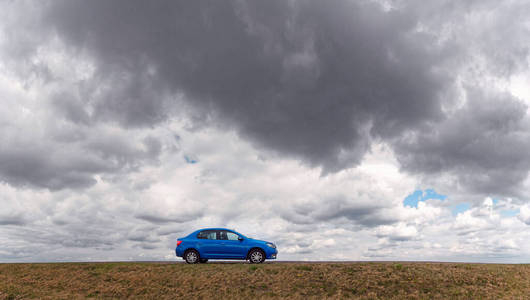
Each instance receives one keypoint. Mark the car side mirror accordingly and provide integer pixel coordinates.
(240, 239)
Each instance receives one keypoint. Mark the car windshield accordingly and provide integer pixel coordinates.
(242, 235)
(232, 236)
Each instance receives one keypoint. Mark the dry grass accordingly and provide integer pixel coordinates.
(276, 280)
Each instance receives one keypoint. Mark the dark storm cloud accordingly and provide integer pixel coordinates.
(35, 168)
(71, 108)
(307, 79)
(486, 143)
(72, 164)
(318, 81)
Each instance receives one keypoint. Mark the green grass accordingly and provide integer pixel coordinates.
(276, 280)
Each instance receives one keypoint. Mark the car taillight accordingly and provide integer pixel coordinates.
(178, 243)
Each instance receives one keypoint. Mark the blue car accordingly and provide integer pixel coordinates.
(222, 243)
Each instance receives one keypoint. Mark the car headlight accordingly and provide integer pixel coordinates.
(271, 245)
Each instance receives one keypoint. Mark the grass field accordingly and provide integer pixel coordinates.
(269, 280)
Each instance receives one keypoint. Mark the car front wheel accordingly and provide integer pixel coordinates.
(192, 257)
(256, 256)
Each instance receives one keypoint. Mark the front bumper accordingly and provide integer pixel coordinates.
(272, 253)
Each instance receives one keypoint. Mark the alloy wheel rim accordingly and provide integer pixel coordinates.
(256, 256)
(192, 257)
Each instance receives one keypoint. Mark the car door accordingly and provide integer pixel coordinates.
(232, 247)
(208, 244)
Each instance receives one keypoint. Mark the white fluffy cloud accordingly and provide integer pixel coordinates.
(356, 214)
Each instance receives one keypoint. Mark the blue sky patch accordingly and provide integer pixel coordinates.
(413, 199)
(509, 212)
(460, 208)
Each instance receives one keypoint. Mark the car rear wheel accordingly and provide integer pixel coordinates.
(256, 256)
(203, 261)
(192, 257)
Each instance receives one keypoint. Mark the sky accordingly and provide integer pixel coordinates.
(340, 130)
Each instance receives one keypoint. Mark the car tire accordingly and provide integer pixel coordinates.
(192, 257)
(256, 256)
(203, 261)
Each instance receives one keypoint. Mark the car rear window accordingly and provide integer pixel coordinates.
(207, 234)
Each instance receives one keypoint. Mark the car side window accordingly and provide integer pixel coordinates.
(202, 234)
(232, 236)
(207, 234)
(222, 235)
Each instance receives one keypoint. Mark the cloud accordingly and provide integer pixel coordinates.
(42, 162)
(323, 78)
(12, 219)
(156, 218)
(262, 199)
(125, 124)
(524, 214)
(481, 144)
(315, 82)
(41, 147)
(340, 207)
(401, 232)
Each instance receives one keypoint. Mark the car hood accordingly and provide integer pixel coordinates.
(259, 241)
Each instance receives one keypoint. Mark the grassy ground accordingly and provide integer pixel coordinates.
(275, 280)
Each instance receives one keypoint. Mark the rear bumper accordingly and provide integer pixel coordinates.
(178, 251)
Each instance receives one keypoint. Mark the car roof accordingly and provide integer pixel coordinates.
(215, 228)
